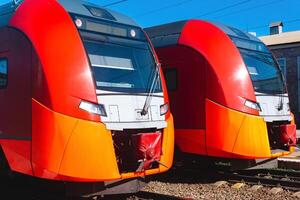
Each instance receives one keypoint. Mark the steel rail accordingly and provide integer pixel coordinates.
(289, 180)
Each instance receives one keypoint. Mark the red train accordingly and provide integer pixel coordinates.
(228, 96)
(82, 98)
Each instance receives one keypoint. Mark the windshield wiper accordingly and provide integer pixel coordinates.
(151, 90)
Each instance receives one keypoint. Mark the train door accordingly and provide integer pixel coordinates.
(184, 71)
(15, 97)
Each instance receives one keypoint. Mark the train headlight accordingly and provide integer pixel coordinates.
(132, 33)
(164, 109)
(78, 23)
(253, 105)
(97, 109)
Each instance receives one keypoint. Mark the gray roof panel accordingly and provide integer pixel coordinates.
(163, 41)
(78, 7)
(166, 34)
(7, 8)
(166, 29)
(235, 32)
(6, 12)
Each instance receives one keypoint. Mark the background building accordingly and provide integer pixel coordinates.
(286, 48)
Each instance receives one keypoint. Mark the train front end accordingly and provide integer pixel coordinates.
(264, 123)
(100, 111)
(272, 101)
(238, 105)
(132, 101)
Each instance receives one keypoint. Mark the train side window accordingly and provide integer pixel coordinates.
(3, 73)
(171, 78)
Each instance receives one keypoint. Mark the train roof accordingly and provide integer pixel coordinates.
(6, 12)
(77, 7)
(168, 34)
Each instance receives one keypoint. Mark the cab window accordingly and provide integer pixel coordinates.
(3, 73)
(171, 78)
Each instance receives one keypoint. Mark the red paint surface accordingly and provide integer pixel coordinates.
(288, 134)
(227, 79)
(17, 153)
(148, 148)
(65, 76)
(191, 141)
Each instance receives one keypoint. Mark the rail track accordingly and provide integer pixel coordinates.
(285, 179)
(288, 179)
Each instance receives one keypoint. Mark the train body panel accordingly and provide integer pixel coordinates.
(234, 84)
(15, 119)
(173, 59)
(16, 52)
(274, 108)
(54, 122)
(18, 155)
(126, 109)
(237, 133)
(191, 141)
(221, 107)
(56, 55)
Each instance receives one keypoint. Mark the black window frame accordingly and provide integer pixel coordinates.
(140, 35)
(5, 75)
(87, 37)
(276, 66)
(171, 70)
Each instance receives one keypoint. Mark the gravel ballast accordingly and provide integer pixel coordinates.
(201, 184)
(210, 191)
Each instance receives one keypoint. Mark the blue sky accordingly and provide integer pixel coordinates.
(248, 15)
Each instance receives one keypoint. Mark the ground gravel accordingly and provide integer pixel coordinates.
(200, 185)
(209, 191)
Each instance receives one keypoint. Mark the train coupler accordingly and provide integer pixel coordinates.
(148, 149)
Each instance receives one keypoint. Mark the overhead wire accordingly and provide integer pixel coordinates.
(213, 11)
(163, 8)
(114, 3)
(285, 22)
(224, 8)
(250, 8)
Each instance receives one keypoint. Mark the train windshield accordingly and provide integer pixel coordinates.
(263, 69)
(122, 65)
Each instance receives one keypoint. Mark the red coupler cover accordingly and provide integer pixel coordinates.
(288, 134)
(147, 147)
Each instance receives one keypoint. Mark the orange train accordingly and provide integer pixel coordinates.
(82, 96)
(228, 95)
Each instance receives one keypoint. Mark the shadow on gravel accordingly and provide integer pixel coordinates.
(189, 175)
(22, 187)
(142, 196)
